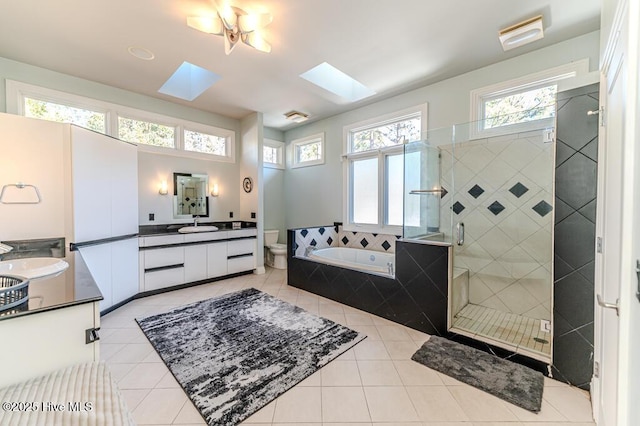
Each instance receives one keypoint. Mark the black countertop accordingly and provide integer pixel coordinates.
(74, 286)
(172, 228)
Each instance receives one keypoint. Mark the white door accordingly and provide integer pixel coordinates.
(613, 229)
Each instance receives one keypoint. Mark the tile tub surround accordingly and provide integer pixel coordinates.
(416, 298)
(335, 236)
(503, 194)
(576, 175)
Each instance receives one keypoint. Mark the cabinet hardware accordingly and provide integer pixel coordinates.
(91, 335)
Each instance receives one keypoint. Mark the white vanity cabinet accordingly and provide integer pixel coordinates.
(170, 260)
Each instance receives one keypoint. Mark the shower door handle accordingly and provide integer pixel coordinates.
(608, 305)
(460, 233)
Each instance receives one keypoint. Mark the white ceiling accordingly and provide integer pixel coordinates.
(389, 45)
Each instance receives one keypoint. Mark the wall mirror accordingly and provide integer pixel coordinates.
(190, 195)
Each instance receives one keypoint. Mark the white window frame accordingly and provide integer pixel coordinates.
(381, 154)
(16, 92)
(515, 86)
(307, 140)
(280, 160)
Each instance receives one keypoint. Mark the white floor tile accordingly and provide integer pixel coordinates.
(299, 404)
(379, 373)
(160, 406)
(344, 404)
(374, 384)
(341, 373)
(390, 404)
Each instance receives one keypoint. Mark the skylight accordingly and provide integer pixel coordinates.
(188, 82)
(335, 81)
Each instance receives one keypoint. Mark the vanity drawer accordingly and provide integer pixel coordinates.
(205, 236)
(161, 240)
(237, 247)
(163, 278)
(163, 257)
(241, 264)
(247, 232)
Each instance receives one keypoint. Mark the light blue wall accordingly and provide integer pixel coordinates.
(274, 192)
(313, 195)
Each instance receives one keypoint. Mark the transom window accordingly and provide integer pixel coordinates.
(308, 151)
(151, 132)
(273, 154)
(374, 170)
(37, 108)
(520, 104)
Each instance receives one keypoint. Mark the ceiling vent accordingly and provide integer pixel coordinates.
(297, 116)
(521, 33)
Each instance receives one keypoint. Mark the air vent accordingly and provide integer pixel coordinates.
(296, 116)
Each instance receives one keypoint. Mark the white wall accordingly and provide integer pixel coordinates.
(274, 198)
(155, 168)
(34, 152)
(314, 194)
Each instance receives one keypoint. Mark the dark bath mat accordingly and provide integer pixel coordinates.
(235, 353)
(512, 382)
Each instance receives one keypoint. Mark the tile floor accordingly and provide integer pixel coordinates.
(510, 331)
(375, 383)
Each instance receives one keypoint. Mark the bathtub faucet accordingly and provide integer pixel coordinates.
(390, 266)
(308, 250)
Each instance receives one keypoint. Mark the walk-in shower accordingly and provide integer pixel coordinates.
(491, 197)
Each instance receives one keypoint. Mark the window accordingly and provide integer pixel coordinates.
(146, 132)
(520, 104)
(205, 143)
(93, 120)
(308, 151)
(273, 154)
(374, 170)
(152, 132)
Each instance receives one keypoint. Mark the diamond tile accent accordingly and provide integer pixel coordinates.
(329, 240)
(345, 240)
(321, 231)
(443, 192)
(313, 243)
(364, 242)
(457, 207)
(542, 208)
(496, 208)
(476, 191)
(386, 245)
(304, 232)
(518, 190)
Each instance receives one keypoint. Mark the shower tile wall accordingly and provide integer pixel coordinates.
(335, 236)
(576, 179)
(503, 188)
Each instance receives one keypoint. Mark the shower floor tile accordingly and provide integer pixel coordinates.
(509, 330)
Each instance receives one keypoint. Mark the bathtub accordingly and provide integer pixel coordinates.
(373, 262)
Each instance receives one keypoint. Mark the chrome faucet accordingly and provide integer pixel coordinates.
(308, 250)
(196, 220)
(4, 249)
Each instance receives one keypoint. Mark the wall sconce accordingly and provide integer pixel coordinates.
(215, 191)
(164, 190)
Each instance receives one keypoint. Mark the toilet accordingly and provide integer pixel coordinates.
(276, 254)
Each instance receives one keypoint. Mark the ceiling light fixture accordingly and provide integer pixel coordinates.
(521, 33)
(235, 25)
(296, 116)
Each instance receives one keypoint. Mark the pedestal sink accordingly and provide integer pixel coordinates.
(201, 228)
(33, 267)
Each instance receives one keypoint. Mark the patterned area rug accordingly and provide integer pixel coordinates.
(235, 353)
(512, 382)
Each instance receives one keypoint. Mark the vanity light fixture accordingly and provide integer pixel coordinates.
(521, 33)
(215, 191)
(164, 189)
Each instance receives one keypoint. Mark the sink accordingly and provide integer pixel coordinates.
(201, 228)
(33, 267)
